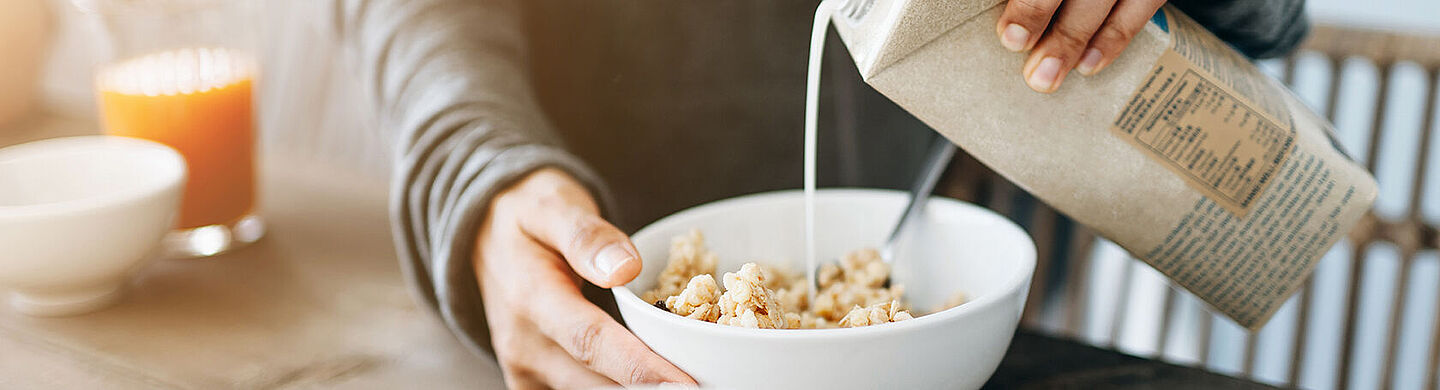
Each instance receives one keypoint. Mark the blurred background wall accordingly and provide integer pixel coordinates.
(1414, 15)
(311, 109)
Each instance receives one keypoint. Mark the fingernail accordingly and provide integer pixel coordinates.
(611, 259)
(1043, 78)
(1014, 37)
(1089, 62)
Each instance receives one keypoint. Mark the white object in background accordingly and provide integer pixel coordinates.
(79, 215)
(24, 31)
(954, 246)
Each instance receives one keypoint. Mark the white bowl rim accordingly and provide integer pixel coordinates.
(1016, 282)
(171, 178)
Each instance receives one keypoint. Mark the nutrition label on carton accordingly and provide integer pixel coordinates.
(1253, 263)
(1224, 143)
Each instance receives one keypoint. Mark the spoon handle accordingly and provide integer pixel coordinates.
(941, 150)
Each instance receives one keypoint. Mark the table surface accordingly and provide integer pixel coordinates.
(319, 302)
(1037, 361)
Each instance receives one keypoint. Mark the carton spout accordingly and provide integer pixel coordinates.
(880, 32)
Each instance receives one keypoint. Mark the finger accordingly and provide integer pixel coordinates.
(1126, 20)
(1058, 51)
(1023, 21)
(583, 331)
(523, 351)
(596, 341)
(521, 379)
(559, 370)
(525, 383)
(595, 249)
(541, 360)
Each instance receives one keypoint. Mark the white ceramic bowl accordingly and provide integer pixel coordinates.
(954, 246)
(78, 215)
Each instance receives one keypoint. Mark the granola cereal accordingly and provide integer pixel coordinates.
(688, 258)
(875, 314)
(854, 292)
(858, 280)
(697, 300)
(957, 299)
(746, 302)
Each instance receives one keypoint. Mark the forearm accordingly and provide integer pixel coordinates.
(448, 78)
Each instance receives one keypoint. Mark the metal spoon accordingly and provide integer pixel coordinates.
(941, 151)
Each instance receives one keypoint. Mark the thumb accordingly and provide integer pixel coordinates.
(595, 249)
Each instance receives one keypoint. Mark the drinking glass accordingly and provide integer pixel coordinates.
(182, 73)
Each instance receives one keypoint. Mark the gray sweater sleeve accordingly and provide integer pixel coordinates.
(1257, 28)
(447, 78)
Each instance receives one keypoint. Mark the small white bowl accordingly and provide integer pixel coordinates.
(955, 246)
(79, 215)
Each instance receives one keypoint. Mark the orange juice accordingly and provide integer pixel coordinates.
(198, 101)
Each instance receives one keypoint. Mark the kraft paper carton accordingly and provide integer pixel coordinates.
(1181, 151)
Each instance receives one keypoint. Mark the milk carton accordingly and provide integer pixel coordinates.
(1181, 151)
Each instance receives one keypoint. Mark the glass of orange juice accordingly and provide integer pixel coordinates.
(182, 74)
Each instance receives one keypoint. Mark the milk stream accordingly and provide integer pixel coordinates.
(812, 112)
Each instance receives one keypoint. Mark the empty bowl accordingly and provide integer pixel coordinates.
(79, 215)
(954, 246)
